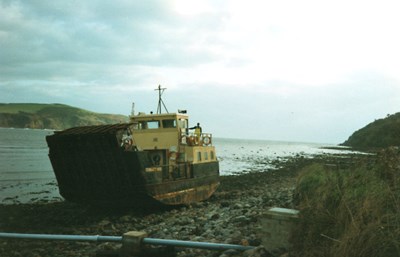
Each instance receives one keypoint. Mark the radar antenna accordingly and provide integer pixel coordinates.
(160, 101)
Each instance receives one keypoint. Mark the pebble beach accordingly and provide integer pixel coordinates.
(230, 216)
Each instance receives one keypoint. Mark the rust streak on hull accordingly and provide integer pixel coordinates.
(189, 195)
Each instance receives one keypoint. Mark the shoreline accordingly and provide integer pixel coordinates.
(230, 216)
(45, 189)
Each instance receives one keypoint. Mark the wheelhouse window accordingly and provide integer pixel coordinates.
(142, 125)
(169, 123)
(199, 156)
(153, 124)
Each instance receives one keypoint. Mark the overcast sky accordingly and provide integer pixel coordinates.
(311, 71)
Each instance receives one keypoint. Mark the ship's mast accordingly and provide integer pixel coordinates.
(160, 101)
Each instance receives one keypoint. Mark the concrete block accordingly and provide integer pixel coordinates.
(275, 227)
(132, 243)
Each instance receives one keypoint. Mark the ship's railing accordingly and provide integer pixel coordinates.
(133, 242)
(193, 139)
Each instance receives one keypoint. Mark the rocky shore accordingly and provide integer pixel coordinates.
(230, 216)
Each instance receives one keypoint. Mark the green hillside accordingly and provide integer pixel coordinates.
(380, 133)
(52, 116)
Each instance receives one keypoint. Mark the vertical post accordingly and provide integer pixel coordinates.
(132, 243)
(160, 101)
(133, 109)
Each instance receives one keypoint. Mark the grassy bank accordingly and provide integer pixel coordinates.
(350, 211)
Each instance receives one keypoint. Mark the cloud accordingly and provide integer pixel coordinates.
(66, 40)
(285, 69)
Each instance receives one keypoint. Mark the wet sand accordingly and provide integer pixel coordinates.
(29, 191)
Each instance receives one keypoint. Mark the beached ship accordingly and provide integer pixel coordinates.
(152, 158)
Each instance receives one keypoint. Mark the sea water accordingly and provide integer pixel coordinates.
(240, 155)
(25, 170)
(26, 173)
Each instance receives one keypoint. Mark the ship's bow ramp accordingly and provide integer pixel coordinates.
(93, 164)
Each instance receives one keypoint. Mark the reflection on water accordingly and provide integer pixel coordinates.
(239, 155)
(25, 170)
(23, 154)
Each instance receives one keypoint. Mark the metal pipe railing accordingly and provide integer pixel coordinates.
(194, 244)
(119, 239)
(62, 237)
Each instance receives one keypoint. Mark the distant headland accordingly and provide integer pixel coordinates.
(380, 133)
(52, 116)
